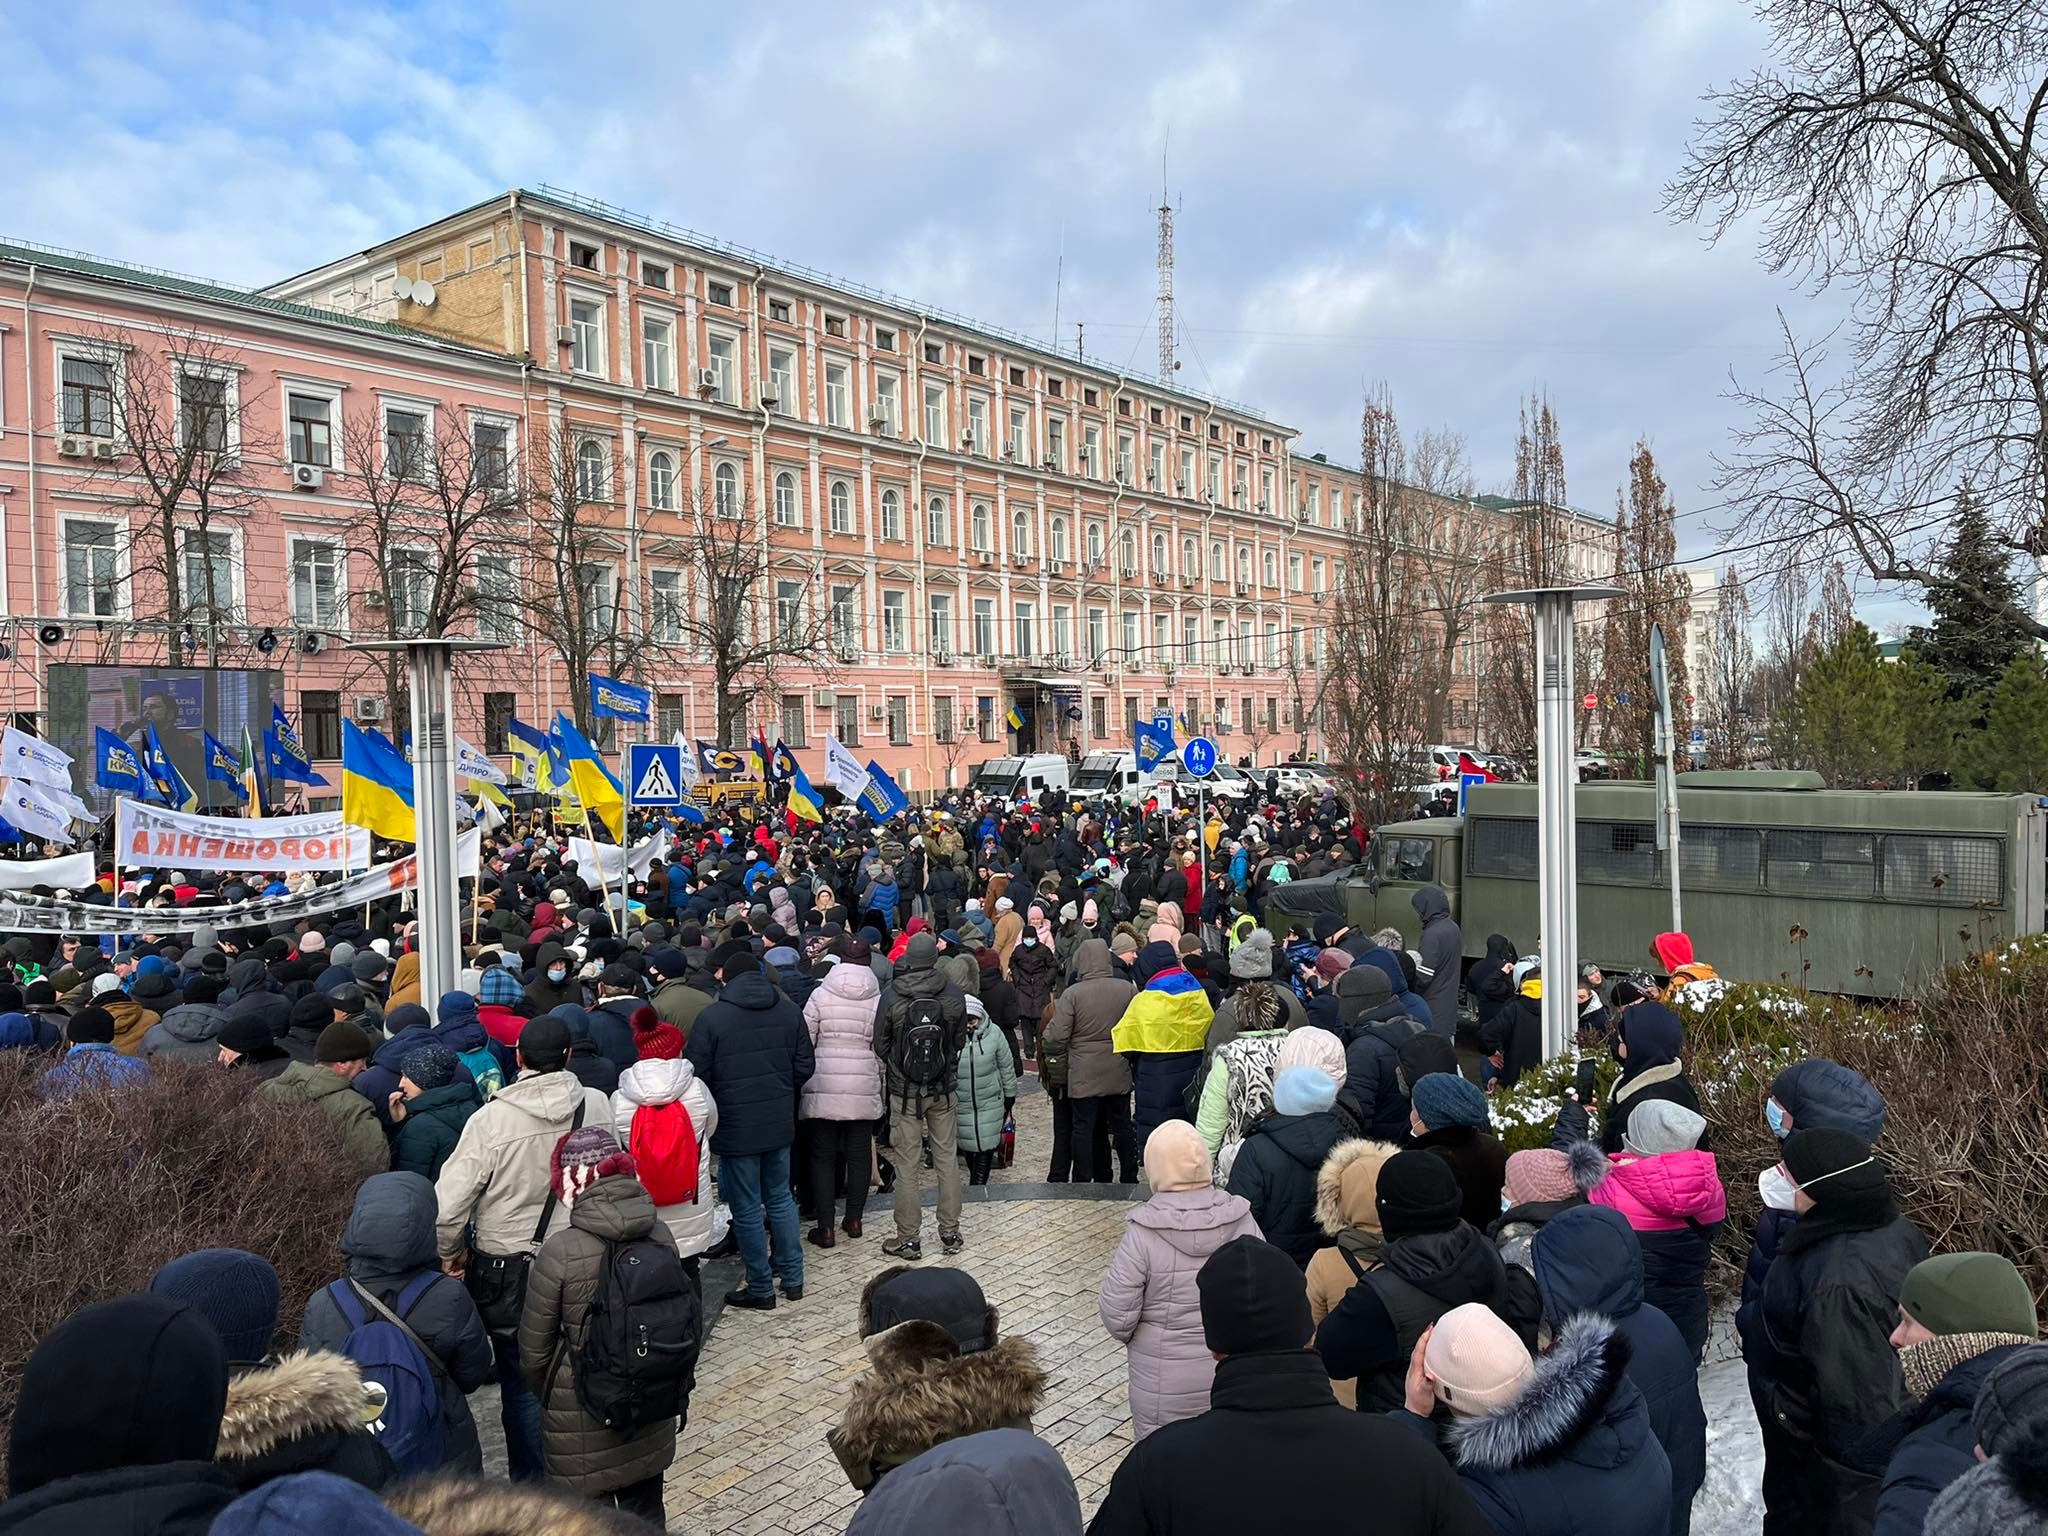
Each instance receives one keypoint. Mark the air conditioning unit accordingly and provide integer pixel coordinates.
(1020, 561)
(847, 652)
(942, 658)
(1244, 589)
(1301, 514)
(1180, 485)
(1264, 504)
(102, 448)
(373, 598)
(877, 419)
(1187, 581)
(74, 447)
(1171, 673)
(565, 335)
(707, 381)
(1151, 480)
(875, 713)
(986, 558)
(1057, 567)
(1049, 462)
(1130, 572)
(1010, 450)
(1064, 660)
(369, 706)
(769, 398)
(967, 442)
(307, 477)
(824, 698)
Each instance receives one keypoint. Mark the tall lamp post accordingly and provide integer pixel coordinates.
(1557, 786)
(430, 677)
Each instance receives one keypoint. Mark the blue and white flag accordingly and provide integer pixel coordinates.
(620, 701)
(26, 806)
(27, 757)
(843, 770)
(881, 799)
(118, 766)
(1155, 742)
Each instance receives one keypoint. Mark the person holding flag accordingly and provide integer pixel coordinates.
(530, 746)
(804, 801)
(880, 797)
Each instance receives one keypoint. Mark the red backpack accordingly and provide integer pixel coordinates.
(664, 1148)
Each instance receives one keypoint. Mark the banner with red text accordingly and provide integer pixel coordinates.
(151, 837)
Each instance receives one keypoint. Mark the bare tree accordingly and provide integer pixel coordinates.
(1440, 467)
(1385, 674)
(1788, 639)
(1727, 693)
(1893, 149)
(1532, 552)
(188, 445)
(1654, 593)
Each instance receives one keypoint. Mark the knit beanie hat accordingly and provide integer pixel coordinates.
(1968, 1293)
(1539, 1173)
(1176, 1158)
(104, 983)
(2014, 1395)
(581, 1158)
(1163, 933)
(243, 1034)
(1252, 1298)
(1416, 1193)
(90, 1026)
(1830, 1165)
(1311, 1047)
(1658, 1125)
(655, 1040)
(342, 1041)
(1478, 1362)
(1448, 1098)
(1331, 964)
(237, 1292)
(1157, 956)
(544, 1043)
(430, 1066)
(498, 987)
(1123, 945)
(313, 1011)
(1303, 1091)
(1252, 960)
(312, 943)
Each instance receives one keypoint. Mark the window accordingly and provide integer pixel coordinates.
(1017, 377)
(490, 454)
(1098, 716)
(1190, 558)
(898, 711)
(782, 379)
(895, 621)
(661, 480)
(88, 396)
(592, 483)
(942, 718)
(1095, 543)
(1059, 540)
(316, 584)
(1090, 397)
(1158, 475)
(1219, 645)
(1098, 636)
(1056, 443)
(1214, 484)
(841, 504)
(1091, 451)
(1314, 502)
(892, 517)
(1055, 387)
(405, 444)
(653, 275)
(598, 594)
(582, 255)
(92, 571)
(1244, 565)
(1019, 445)
(1026, 631)
(497, 586)
(789, 609)
(1126, 458)
(1803, 863)
(838, 404)
(788, 513)
(665, 607)
(1320, 574)
(1950, 870)
(1190, 647)
(977, 426)
(1127, 553)
(1020, 531)
(658, 352)
(846, 712)
(980, 532)
(1266, 489)
(203, 411)
(985, 628)
(778, 311)
(719, 294)
(937, 530)
(209, 575)
(310, 419)
(669, 714)
(885, 340)
(725, 370)
(725, 491)
(1186, 486)
(1162, 640)
(835, 325)
(586, 336)
(1158, 554)
(1336, 506)
(1217, 569)
(886, 403)
(1127, 623)
(1272, 568)
(935, 415)
(940, 619)
(1294, 573)
(498, 709)
(1272, 645)
(1244, 486)
(1062, 630)
(795, 714)
(320, 723)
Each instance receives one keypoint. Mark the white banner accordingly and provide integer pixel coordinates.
(23, 756)
(591, 857)
(71, 872)
(843, 771)
(50, 914)
(149, 836)
(472, 764)
(27, 806)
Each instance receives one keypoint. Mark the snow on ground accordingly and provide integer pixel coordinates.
(1731, 1503)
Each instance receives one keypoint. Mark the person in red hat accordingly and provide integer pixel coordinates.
(665, 1117)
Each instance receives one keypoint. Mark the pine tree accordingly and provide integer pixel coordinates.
(1843, 723)
(1653, 593)
(2010, 753)
(1976, 630)
(1928, 720)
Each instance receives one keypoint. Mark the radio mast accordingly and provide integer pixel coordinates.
(1166, 363)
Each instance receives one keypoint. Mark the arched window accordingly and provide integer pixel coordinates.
(1095, 541)
(1244, 564)
(980, 530)
(892, 516)
(787, 514)
(1059, 539)
(937, 533)
(1272, 569)
(590, 476)
(1020, 531)
(1217, 569)
(1127, 552)
(1190, 558)
(725, 483)
(1158, 554)
(661, 481)
(842, 508)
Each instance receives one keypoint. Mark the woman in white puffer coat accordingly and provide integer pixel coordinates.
(661, 1077)
(843, 1098)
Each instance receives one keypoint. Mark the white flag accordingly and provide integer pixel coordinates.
(691, 771)
(29, 810)
(472, 764)
(843, 771)
(23, 756)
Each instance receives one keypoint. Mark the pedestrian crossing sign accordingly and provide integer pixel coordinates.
(654, 773)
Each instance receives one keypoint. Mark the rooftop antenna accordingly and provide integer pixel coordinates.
(1059, 273)
(1166, 362)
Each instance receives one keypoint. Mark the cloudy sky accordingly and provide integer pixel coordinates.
(1459, 198)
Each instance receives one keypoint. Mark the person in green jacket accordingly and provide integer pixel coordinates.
(433, 1102)
(340, 1055)
(987, 1090)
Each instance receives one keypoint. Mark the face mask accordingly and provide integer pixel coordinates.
(1029, 943)
(1506, 1201)
(1775, 1114)
(557, 973)
(1777, 1189)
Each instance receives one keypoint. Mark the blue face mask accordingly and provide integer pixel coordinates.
(1775, 1114)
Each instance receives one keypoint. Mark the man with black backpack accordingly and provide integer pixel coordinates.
(920, 1030)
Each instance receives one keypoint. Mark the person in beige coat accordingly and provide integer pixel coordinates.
(1082, 1022)
(593, 1178)
(1347, 1211)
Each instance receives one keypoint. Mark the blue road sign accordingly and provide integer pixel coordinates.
(1199, 756)
(654, 774)
(1465, 782)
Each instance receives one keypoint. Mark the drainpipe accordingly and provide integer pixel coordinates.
(916, 512)
(35, 543)
(1116, 496)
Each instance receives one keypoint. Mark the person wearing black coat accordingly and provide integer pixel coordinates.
(1276, 1451)
(611, 1021)
(1819, 1336)
(1280, 1157)
(1489, 980)
(116, 1424)
(1374, 1089)
(1588, 1260)
(1652, 1042)
(388, 1244)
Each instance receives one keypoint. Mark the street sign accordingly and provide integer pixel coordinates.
(1622, 698)
(1591, 701)
(1199, 756)
(1699, 739)
(654, 773)
(1465, 783)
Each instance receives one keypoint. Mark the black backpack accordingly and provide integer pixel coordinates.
(923, 1057)
(641, 1337)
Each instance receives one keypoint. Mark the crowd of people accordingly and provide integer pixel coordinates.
(1339, 1279)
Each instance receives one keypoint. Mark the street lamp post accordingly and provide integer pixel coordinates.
(1557, 784)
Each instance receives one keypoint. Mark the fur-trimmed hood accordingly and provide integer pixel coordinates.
(1568, 1397)
(458, 1506)
(1347, 1183)
(923, 1391)
(303, 1394)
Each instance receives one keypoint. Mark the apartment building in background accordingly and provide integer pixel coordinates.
(995, 529)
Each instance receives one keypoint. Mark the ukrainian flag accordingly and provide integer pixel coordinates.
(1170, 1013)
(376, 786)
(1014, 719)
(602, 795)
(531, 748)
(803, 799)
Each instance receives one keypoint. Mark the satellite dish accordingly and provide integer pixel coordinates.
(423, 293)
(402, 287)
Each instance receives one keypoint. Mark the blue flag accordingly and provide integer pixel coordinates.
(163, 773)
(286, 766)
(620, 701)
(783, 764)
(882, 799)
(223, 766)
(1155, 742)
(689, 813)
(718, 761)
(118, 767)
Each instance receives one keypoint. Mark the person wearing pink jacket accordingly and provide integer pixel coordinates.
(1670, 1193)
